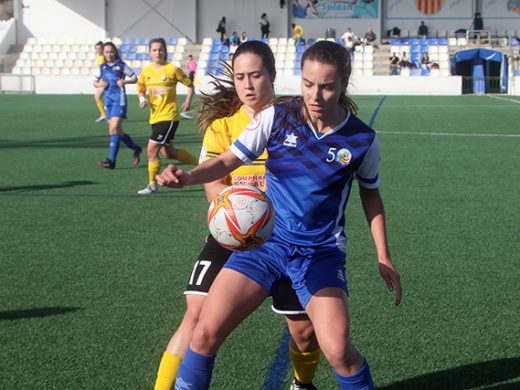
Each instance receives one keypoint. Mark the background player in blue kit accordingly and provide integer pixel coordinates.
(316, 147)
(113, 75)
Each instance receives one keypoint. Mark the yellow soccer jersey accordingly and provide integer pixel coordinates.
(219, 136)
(100, 60)
(162, 87)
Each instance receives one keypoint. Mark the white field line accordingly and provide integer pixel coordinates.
(448, 134)
(506, 99)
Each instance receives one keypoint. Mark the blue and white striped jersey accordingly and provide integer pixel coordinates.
(309, 174)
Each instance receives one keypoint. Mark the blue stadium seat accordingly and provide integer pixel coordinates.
(300, 49)
(433, 41)
(224, 49)
(297, 71)
(404, 42)
(514, 41)
(139, 56)
(424, 49)
(134, 41)
(170, 56)
(414, 49)
(125, 40)
(144, 41)
(517, 72)
(129, 56)
(414, 57)
(310, 41)
(425, 71)
(214, 56)
(394, 42)
(172, 41)
(414, 41)
(123, 48)
(265, 40)
(415, 72)
(147, 57)
(132, 48)
(443, 41)
(423, 42)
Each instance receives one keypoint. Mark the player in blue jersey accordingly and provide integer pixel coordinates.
(316, 148)
(113, 75)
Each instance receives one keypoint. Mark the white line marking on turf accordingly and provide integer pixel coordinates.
(506, 99)
(448, 134)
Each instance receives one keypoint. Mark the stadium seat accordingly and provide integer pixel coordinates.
(182, 41)
(433, 41)
(172, 41)
(443, 41)
(415, 72)
(515, 41)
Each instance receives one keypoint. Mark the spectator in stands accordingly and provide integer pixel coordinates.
(297, 33)
(244, 37)
(423, 30)
(265, 28)
(516, 60)
(425, 61)
(192, 67)
(221, 28)
(394, 32)
(224, 39)
(98, 94)
(234, 40)
(478, 22)
(394, 65)
(404, 62)
(370, 37)
(345, 37)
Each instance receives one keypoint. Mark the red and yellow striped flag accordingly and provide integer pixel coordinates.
(429, 7)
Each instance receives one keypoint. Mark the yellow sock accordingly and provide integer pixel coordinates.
(304, 364)
(101, 107)
(186, 157)
(167, 372)
(153, 170)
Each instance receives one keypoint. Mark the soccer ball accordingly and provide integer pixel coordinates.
(240, 218)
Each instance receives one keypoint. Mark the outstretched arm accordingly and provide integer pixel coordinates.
(208, 171)
(375, 215)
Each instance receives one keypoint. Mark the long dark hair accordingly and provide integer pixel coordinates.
(163, 44)
(224, 101)
(327, 52)
(118, 57)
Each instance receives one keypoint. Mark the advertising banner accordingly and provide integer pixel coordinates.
(332, 9)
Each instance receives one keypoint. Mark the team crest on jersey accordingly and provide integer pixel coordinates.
(290, 140)
(164, 78)
(117, 68)
(344, 156)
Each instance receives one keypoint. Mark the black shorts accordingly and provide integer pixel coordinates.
(192, 76)
(212, 259)
(164, 132)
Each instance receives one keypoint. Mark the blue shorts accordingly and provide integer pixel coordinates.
(115, 110)
(309, 268)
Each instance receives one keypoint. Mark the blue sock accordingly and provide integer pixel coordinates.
(195, 371)
(128, 141)
(361, 380)
(114, 147)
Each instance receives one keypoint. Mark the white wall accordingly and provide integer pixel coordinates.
(60, 19)
(135, 18)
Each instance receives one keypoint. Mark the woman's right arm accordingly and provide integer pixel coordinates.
(206, 172)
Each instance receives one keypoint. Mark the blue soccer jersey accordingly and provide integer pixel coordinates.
(114, 94)
(309, 174)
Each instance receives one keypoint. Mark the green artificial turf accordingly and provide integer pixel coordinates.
(92, 275)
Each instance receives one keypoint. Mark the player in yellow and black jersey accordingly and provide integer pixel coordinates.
(159, 79)
(98, 95)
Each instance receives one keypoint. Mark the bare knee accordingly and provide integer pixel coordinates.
(205, 340)
(302, 333)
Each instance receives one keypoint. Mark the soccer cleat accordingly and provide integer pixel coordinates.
(108, 164)
(100, 119)
(137, 155)
(296, 385)
(149, 190)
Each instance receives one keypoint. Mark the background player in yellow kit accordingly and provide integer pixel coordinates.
(160, 80)
(98, 94)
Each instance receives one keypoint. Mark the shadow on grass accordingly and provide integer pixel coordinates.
(37, 187)
(12, 315)
(490, 374)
